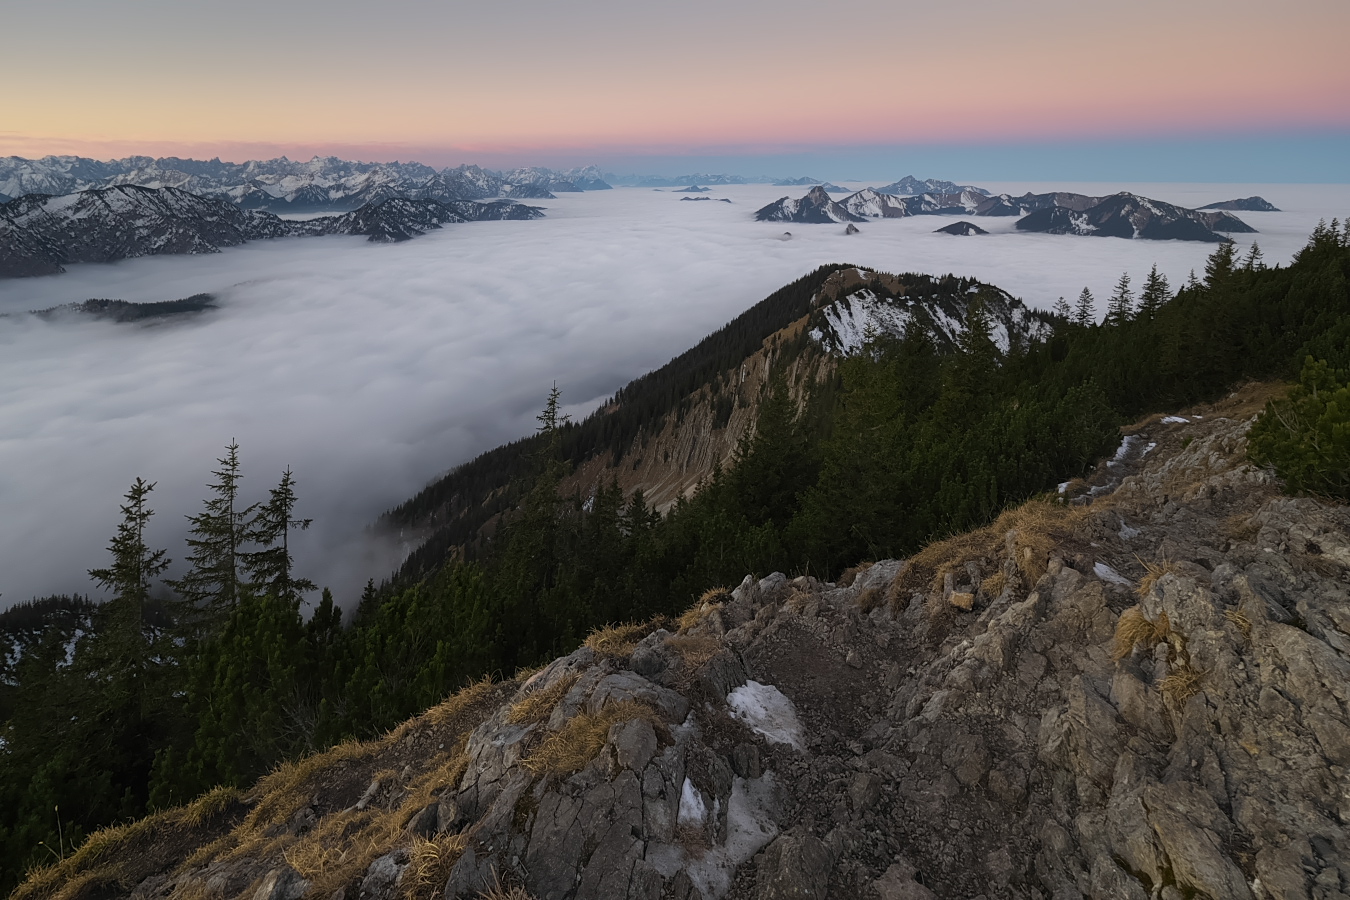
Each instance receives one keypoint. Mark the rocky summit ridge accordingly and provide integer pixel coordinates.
(1137, 689)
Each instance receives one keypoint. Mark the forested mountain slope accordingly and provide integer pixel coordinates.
(670, 430)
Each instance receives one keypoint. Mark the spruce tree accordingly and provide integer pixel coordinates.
(269, 567)
(1219, 265)
(212, 583)
(1120, 308)
(1063, 310)
(1084, 313)
(1156, 292)
(1253, 262)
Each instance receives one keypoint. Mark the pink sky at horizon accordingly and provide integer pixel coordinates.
(449, 82)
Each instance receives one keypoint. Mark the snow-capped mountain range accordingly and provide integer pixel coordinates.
(40, 234)
(1119, 215)
(284, 185)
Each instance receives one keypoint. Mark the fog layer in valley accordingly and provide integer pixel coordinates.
(370, 369)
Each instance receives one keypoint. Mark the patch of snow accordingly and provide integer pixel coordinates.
(1152, 445)
(693, 811)
(1176, 420)
(750, 827)
(1123, 450)
(767, 710)
(1063, 486)
(1106, 573)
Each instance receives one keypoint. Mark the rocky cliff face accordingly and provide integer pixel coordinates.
(1135, 691)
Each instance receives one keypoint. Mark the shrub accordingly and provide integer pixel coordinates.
(1306, 437)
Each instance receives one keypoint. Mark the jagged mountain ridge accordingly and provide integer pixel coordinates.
(283, 185)
(40, 234)
(1119, 215)
(1246, 204)
(815, 208)
(668, 430)
(909, 186)
(1132, 697)
(1129, 216)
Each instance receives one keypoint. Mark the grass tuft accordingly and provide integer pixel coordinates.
(1038, 525)
(1239, 618)
(1133, 629)
(620, 640)
(581, 739)
(1153, 573)
(537, 705)
(1181, 684)
(430, 862)
(851, 574)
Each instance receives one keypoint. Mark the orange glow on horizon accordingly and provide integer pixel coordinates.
(623, 81)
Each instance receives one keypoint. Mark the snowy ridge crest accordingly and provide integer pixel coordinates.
(858, 304)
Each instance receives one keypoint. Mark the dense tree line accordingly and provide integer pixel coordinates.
(169, 688)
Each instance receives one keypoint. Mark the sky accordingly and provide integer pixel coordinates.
(370, 369)
(1183, 90)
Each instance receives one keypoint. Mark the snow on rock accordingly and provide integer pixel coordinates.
(750, 827)
(693, 811)
(1106, 573)
(1175, 420)
(1124, 450)
(767, 710)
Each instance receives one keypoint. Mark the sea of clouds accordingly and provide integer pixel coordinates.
(371, 369)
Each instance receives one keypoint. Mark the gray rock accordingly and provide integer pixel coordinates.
(383, 877)
(897, 883)
(794, 868)
(1186, 820)
(864, 791)
(283, 883)
(634, 743)
(722, 674)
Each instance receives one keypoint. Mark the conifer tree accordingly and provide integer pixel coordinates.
(1219, 265)
(1156, 292)
(134, 563)
(1084, 313)
(212, 583)
(1192, 282)
(1253, 262)
(1120, 308)
(1063, 310)
(269, 567)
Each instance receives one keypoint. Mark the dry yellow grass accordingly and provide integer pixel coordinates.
(445, 712)
(695, 650)
(870, 599)
(1152, 573)
(1239, 618)
(341, 847)
(1181, 684)
(500, 891)
(101, 859)
(851, 574)
(619, 640)
(1133, 629)
(210, 805)
(429, 864)
(1039, 526)
(537, 705)
(570, 748)
(701, 609)
(993, 585)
